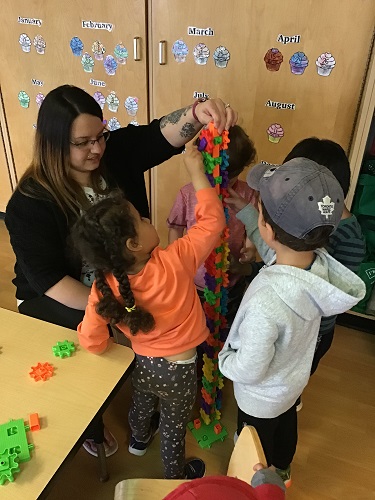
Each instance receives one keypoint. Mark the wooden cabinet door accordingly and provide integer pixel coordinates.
(303, 101)
(44, 46)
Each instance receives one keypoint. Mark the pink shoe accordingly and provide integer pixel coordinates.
(110, 445)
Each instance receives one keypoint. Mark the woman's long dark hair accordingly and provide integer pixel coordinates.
(100, 236)
(50, 166)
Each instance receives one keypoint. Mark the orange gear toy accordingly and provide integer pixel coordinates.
(42, 371)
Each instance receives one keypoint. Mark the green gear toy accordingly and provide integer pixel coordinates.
(8, 466)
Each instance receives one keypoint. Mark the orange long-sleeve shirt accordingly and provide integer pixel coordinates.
(165, 287)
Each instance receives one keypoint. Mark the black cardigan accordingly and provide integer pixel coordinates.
(39, 230)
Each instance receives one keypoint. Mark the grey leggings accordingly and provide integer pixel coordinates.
(175, 385)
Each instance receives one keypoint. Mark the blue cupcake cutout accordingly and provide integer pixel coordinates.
(76, 45)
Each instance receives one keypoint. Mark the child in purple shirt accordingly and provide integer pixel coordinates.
(241, 153)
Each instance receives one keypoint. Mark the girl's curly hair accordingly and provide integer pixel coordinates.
(100, 236)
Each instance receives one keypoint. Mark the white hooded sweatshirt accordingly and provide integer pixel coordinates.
(271, 344)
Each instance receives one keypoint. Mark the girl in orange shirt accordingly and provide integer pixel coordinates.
(149, 294)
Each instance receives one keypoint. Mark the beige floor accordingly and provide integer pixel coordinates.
(335, 458)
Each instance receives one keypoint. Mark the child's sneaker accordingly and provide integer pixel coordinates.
(285, 475)
(194, 469)
(139, 448)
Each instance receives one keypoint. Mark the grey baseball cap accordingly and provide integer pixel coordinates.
(299, 195)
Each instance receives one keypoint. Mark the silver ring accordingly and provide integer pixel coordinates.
(227, 105)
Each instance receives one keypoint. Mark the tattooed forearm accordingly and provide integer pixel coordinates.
(174, 117)
(188, 131)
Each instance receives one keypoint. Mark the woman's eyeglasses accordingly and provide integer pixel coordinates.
(101, 139)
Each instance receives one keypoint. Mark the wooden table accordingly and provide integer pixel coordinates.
(82, 386)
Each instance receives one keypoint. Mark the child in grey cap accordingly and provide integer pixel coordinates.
(271, 344)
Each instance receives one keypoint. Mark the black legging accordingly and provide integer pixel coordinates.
(278, 435)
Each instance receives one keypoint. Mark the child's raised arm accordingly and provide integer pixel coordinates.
(194, 165)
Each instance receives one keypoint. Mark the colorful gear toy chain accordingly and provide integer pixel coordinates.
(213, 147)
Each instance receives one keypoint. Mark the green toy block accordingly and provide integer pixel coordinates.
(206, 434)
(64, 349)
(218, 140)
(8, 466)
(13, 438)
(209, 386)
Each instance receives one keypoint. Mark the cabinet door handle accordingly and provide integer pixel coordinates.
(163, 52)
(136, 48)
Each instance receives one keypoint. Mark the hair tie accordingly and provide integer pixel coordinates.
(130, 309)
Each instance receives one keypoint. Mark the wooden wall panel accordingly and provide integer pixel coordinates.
(324, 106)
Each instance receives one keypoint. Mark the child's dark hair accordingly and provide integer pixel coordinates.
(316, 238)
(241, 151)
(100, 236)
(326, 153)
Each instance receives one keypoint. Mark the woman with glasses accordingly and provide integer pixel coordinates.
(75, 163)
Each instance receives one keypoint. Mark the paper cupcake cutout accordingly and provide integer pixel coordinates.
(201, 53)
(113, 124)
(24, 99)
(39, 99)
(180, 51)
(39, 44)
(325, 64)
(25, 42)
(76, 45)
(131, 105)
(99, 98)
(121, 53)
(110, 65)
(221, 57)
(275, 133)
(134, 122)
(273, 59)
(87, 62)
(113, 102)
(298, 63)
(98, 50)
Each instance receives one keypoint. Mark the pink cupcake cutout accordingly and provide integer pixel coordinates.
(39, 99)
(275, 133)
(325, 64)
(99, 98)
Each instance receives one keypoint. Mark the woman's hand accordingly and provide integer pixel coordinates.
(215, 110)
(180, 126)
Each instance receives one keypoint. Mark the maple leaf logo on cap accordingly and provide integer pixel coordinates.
(326, 206)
